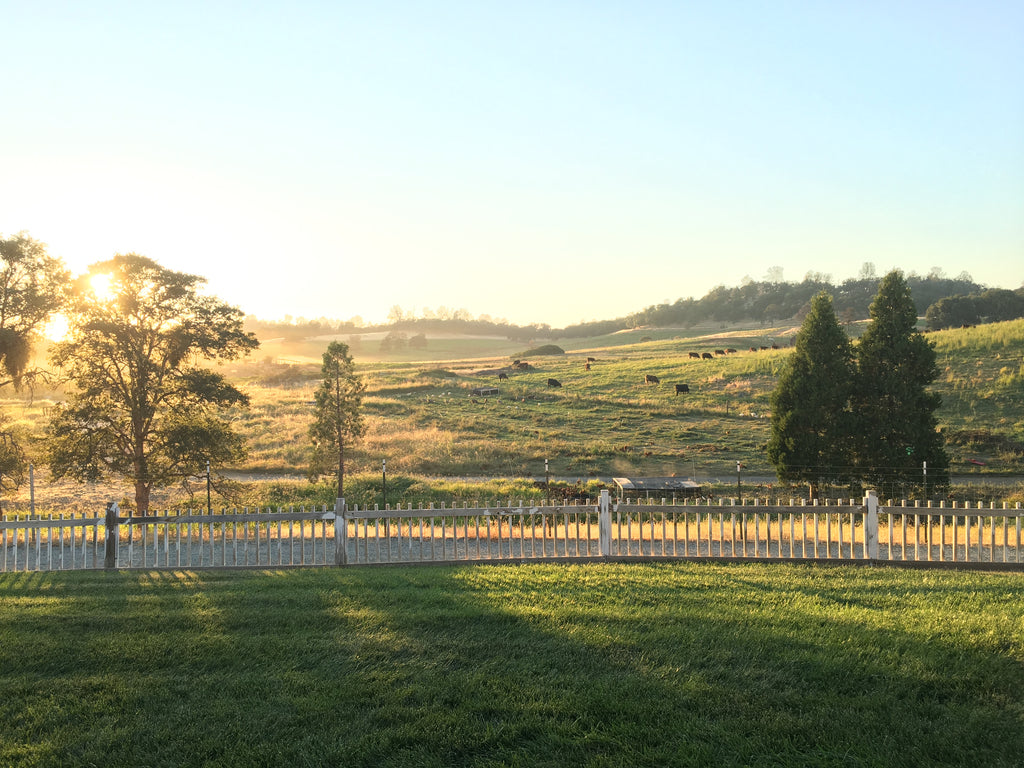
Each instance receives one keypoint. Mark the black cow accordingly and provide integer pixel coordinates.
(719, 351)
(650, 378)
(682, 389)
(775, 346)
(707, 356)
(753, 349)
(591, 359)
(502, 376)
(730, 351)
(554, 383)
(695, 355)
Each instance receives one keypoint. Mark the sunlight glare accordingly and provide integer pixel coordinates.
(56, 328)
(102, 287)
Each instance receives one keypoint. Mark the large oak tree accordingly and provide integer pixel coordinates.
(142, 404)
(32, 289)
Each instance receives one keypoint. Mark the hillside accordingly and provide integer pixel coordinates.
(423, 418)
(605, 421)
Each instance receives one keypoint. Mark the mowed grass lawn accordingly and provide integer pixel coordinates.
(595, 664)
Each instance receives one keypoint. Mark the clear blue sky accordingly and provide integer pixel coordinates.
(535, 161)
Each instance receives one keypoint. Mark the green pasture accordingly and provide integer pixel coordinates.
(606, 421)
(676, 664)
(423, 418)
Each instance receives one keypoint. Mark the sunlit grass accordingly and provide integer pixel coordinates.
(612, 665)
(422, 418)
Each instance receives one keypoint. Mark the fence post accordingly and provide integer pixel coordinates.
(605, 524)
(110, 545)
(340, 533)
(871, 526)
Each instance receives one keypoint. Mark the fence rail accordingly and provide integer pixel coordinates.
(867, 531)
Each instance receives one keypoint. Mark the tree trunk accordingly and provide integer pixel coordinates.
(141, 497)
(341, 468)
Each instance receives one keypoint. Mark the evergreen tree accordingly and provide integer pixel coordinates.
(811, 422)
(337, 419)
(897, 426)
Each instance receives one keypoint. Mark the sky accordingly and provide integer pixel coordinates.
(538, 162)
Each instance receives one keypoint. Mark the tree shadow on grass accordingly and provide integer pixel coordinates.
(647, 664)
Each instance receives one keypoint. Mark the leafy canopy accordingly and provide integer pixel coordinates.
(32, 288)
(142, 405)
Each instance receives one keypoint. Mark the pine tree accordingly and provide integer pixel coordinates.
(811, 421)
(337, 418)
(897, 426)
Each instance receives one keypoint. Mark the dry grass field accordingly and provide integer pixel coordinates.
(605, 421)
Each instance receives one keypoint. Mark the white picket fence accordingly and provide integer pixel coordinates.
(602, 529)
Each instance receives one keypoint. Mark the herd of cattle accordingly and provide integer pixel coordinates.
(650, 378)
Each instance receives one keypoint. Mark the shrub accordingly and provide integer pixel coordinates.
(547, 349)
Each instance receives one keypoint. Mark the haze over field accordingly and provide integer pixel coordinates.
(538, 162)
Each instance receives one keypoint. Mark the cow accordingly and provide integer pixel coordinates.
(775, 346)
(730, 351)
(650, 378)
(586, 366)
(719, 351)
(502, 376)
(591, 359)
(554, 383)
(682, 389)
(753, 349)
(763, 348)
(707, 356)
(695, 355)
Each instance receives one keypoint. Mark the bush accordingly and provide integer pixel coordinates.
(547, 349)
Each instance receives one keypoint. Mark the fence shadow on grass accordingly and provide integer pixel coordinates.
(602, 664)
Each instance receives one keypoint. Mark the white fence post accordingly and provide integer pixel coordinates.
(605, 524)
(340, 533)
(871, 526)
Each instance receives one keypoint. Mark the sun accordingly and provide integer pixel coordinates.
(102, 287)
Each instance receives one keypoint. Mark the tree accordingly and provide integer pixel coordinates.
(337, 420)
(897, 425)
(811, 437)
(32, 289)
(143, 407)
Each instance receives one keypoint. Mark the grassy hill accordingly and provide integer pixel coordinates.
(424, 420)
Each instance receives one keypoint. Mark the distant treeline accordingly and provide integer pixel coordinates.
(991, 306)
(947, 302)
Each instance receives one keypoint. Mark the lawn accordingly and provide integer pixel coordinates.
(598, 664)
